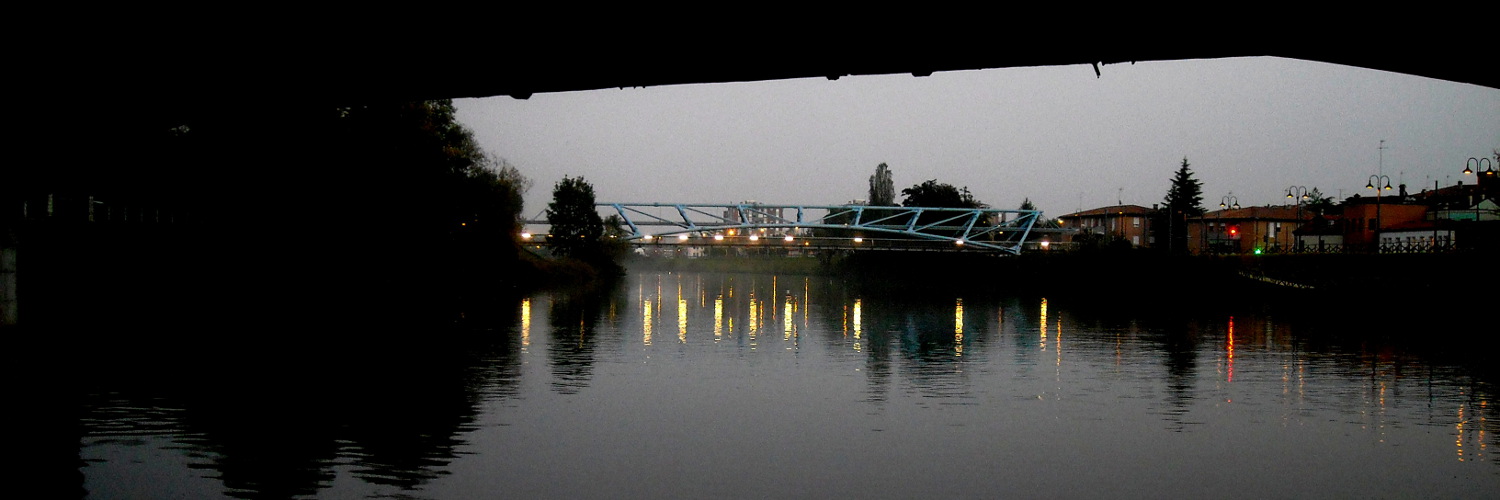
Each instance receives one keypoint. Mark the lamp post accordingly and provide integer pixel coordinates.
(1300, 193)
(1483, 164)
(1227, 201)
(1374, 183)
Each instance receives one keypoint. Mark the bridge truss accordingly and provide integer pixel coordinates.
(987, 229)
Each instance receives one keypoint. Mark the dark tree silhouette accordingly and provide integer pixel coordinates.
(938, 195)
(576, 225)
(1186, 193)
(1184, 200)
(882, 188)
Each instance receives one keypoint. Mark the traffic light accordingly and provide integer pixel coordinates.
(1234, 232)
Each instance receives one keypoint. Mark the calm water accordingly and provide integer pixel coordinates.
(762, 386)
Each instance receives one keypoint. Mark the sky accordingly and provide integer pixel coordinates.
(1249, 127)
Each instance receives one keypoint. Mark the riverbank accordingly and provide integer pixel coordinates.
(1431, 282)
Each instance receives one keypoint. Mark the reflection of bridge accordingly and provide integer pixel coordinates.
(827, 226)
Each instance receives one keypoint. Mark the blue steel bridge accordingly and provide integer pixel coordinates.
(825, 226)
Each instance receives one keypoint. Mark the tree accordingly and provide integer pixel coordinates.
(882, 188)
(1186, 194)
(1026, 204)
(576, 225)
(933, 194)
(1184, 199)
(1318, 202)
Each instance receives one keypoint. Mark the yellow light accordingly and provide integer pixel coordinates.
(682, 237)
(525, 236)
(754, 237)
(718, 237)
(1045, 244)
(859, 240)
(959, 242)
(525, 324)
(646, 237)
(788, 237)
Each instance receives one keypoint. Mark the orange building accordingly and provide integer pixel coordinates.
(1244, 230)
(1127, 222)
(1362, 215)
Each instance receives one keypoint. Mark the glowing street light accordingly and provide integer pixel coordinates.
(718, 237)
(1228, 201)
(788, 237)
(1479, 163)
(525, 235)
(1301, 191)
(1374, 183)
(682, 237)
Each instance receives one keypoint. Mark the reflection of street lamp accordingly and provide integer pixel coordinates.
(1480, 164)
(1374, 183)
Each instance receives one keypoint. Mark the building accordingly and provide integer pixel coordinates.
(1247, 230)
(1130, 223)
(1323, 233)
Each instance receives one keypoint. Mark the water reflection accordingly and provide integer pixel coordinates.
(938, 382)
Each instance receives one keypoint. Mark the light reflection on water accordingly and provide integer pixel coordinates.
(862, 394)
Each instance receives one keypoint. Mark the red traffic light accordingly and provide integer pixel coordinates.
(1234, 231)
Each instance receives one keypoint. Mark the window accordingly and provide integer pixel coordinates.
(1137, 222)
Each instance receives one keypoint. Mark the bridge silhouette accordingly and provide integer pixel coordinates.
(824, 226)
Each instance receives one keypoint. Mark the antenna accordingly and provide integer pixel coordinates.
(1118, 196)
(1382, 157)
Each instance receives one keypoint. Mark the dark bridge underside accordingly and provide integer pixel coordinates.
(173, 67)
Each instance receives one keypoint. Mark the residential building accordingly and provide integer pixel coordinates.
(1246, 230)
(1130, 223)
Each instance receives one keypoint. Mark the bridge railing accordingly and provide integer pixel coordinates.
(989, 229)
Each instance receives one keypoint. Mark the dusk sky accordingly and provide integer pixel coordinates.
(1059, 135)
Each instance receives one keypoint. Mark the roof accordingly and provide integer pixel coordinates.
(1284, 212)
(1111, 210)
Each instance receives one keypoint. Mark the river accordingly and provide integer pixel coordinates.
(715, 385)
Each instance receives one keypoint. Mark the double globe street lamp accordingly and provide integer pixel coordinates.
(1300, 193)
(1482, 164)
(1374, 183)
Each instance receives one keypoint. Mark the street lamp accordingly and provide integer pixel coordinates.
(1481, 164)
(1300, 193)
(1374, 183)
(1227, 201)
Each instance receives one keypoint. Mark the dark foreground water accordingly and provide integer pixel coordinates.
(762, 386)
